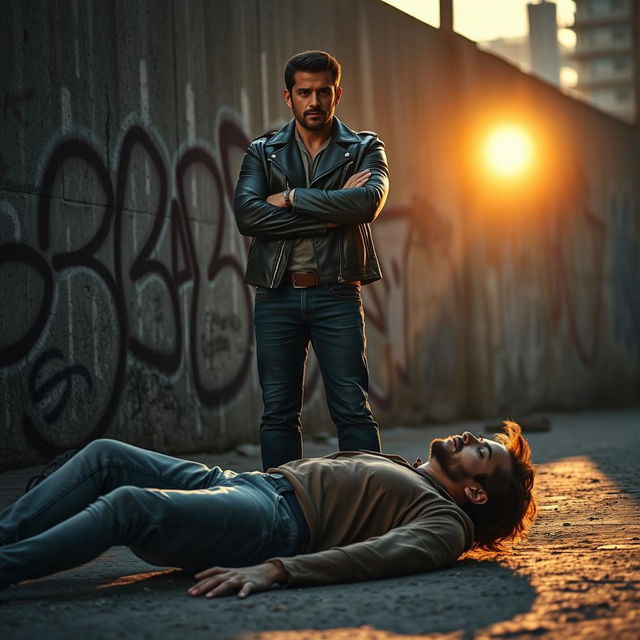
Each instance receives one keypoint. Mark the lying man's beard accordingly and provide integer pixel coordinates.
(445, 458)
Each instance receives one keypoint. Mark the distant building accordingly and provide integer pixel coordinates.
(543, 41)
(515, 50)
(604, 55)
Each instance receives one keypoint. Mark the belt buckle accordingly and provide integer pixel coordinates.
(293, 282)
(310, 277)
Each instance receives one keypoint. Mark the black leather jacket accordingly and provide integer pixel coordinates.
(344, 253)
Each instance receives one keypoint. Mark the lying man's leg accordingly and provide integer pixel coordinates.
(103, 465)
(238, 522)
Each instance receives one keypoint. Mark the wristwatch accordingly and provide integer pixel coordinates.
(287, 200)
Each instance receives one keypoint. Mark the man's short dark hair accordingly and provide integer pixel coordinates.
(511, 505)
(312, 61)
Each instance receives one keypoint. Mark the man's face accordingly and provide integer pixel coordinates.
(313, 99)
(465, 456)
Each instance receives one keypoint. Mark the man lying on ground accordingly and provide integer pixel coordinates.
(349, 516)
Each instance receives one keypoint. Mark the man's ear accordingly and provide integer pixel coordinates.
(476, 494)
(338, 95)
(287, 97)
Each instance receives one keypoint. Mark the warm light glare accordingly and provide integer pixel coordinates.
(567, 38)
(568, 77)
(508, 150)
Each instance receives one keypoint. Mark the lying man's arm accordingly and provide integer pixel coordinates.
(417, 547)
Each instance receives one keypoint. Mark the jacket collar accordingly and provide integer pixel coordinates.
(286, 154)
(340, 134)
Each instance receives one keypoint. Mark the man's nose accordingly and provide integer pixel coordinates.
(469, 438)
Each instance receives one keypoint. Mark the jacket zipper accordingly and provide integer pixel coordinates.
(365, 244)
(275, 270)
(282, 243)
(369, 241)
(341, 230)
(340, 242)
(253, 241)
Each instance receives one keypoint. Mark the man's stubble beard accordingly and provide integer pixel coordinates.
(445, 459)
(327, 119)
(313, 127)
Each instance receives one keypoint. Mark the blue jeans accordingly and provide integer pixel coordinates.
(332, 319)
(170, 512)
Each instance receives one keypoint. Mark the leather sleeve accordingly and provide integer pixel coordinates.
(350, 206)
(255, 217)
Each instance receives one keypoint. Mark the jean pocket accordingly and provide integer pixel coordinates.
(345, 291)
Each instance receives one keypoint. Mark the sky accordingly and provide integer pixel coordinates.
(485, 19)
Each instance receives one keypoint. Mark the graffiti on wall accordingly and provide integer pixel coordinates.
(136, 272)
(406, 323)
(416, 321)
(545, 287)
(135, 306)
(578, 258)
(113, 276)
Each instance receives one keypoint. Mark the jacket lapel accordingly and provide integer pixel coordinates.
(288, 160)
(332, 157)
(341, 151)
(283, 151)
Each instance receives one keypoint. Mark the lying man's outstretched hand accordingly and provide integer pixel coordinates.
(218, 581)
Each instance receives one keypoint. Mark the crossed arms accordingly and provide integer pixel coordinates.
(260, 213)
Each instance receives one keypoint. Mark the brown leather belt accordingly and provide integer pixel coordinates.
(300, 279)
(303, 278)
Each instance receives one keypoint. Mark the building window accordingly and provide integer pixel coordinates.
(593, 37)
(620, 35)
(623, 94)
(621, 63)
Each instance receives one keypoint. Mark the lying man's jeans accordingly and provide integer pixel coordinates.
(170, 512)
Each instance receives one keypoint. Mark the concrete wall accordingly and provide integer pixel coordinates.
(123, 312)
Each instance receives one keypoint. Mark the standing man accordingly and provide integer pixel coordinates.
(307, 195)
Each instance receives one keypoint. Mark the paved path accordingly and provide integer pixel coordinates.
(575, 577)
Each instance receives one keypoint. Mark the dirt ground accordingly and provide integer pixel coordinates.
(577, 576)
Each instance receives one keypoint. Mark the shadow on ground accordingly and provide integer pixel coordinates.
(463, 598)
